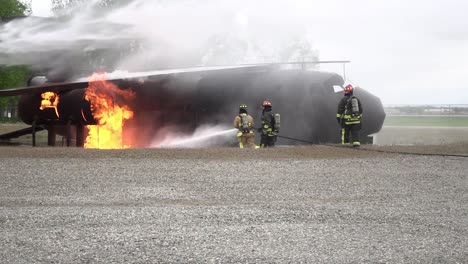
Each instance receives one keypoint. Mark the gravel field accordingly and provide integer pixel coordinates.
(311, 204)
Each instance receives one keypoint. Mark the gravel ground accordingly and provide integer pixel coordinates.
(314, 204)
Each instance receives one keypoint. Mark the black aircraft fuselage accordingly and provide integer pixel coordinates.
(305, 99)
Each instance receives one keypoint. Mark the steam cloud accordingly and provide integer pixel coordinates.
(148, 35)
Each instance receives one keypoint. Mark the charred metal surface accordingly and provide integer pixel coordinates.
(306, 101)
(72, 106)
(79, 135)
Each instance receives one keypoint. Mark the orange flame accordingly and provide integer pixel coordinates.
(110, 110)
(50, 100)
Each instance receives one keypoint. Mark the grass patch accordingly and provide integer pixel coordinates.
(436, 121)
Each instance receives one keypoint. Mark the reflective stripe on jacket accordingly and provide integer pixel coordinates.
(344, 111)
(268, 123)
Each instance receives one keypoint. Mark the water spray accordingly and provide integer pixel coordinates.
(206, 137)
(229, 34)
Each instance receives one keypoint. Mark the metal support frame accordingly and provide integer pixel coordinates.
(51, 136)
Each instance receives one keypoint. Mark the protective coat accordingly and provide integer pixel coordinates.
(246, 137)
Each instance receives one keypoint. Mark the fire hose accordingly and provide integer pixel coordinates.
(382, 151)
(295, 139)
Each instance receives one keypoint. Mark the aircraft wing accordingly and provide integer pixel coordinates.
(119, 75)
(49, 87)
(123, 75)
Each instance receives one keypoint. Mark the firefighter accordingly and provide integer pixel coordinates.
(244, 122)
(270, 126)
(349, 117)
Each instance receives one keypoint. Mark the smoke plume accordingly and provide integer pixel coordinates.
(146, 35)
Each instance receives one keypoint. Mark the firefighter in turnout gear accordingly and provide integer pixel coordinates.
(349, 117)
(270, 126)
(244, 122)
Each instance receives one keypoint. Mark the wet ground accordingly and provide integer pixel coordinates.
(311, 204)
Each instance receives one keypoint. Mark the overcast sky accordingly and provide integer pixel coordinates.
(405, 52)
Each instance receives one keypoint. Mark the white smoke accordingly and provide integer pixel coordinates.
(204, 136)
(164, 34)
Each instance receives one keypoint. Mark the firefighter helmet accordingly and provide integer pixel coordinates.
(348, 89)
(242, 108)
(266, 103)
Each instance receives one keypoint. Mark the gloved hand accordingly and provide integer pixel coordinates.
(239, 134)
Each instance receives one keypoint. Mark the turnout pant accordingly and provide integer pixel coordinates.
(267, 141)
(352, 131)
(247, 141)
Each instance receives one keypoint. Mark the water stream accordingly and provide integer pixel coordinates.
(204, 138)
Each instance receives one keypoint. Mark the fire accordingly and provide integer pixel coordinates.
(109, 106)
(50, 100)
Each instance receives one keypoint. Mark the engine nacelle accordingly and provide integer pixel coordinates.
(57, 108)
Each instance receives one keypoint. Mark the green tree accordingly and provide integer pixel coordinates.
(10, 77)
(59, 6)
(11, 8)
(13, 76)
